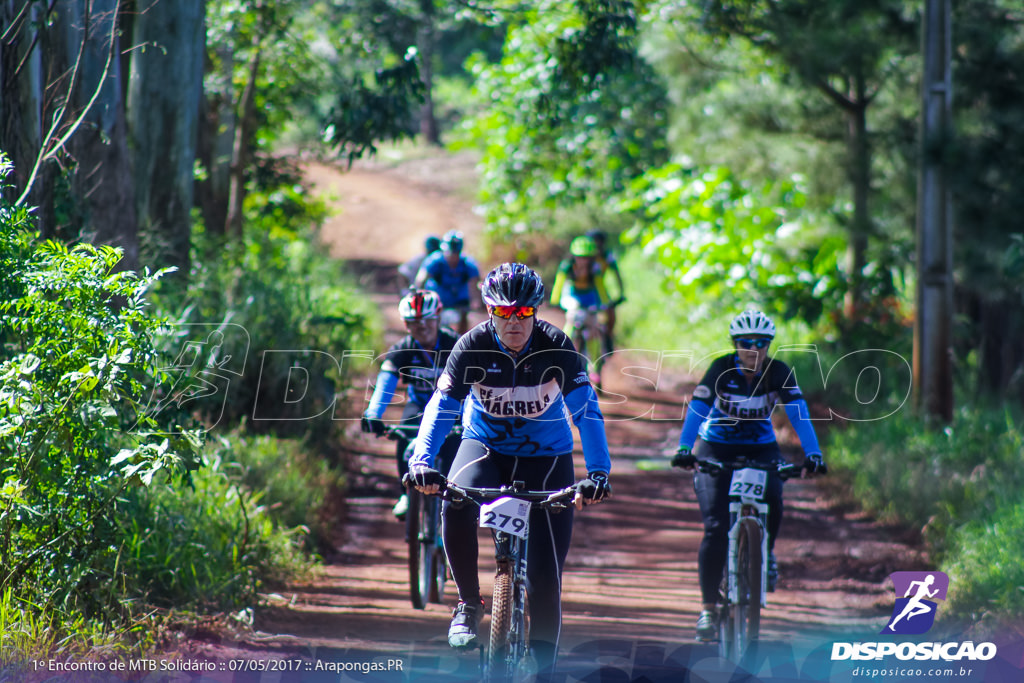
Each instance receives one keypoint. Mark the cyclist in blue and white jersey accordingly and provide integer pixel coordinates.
(452, 275)
(730, 413)
(416, 360)
(524, 385)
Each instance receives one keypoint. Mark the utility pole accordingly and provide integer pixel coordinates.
(933, 364)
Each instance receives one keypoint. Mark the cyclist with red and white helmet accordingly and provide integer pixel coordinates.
(730, 416)
(453, 275)
(415, 360)
(524, 387)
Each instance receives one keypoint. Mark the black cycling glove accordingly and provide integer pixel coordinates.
(684, 458)
(595, 487)
(372, 425)
(423, 476)
(815, 464)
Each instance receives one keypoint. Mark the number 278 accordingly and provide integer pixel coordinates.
(739, 488)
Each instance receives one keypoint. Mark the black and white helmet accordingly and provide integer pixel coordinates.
(752, 323)
(512, 284)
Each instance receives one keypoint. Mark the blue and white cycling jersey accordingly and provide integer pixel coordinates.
(521, 406)
(451, 284)
(728, 409)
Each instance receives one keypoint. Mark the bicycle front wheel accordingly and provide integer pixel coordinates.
(502, 606)
(747, 611)
(418, 555)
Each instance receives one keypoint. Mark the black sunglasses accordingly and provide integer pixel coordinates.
(753, 343)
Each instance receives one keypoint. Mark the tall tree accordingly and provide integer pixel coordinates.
(845, 49)
(163, 109)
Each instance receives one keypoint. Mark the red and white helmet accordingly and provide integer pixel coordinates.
(752, 323)
(419, 304)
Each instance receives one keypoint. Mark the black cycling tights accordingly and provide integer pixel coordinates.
(713, 497)
(548, 544)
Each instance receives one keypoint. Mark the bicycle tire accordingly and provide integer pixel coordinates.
(594, 351)
(747, 613)
(440, 576)
(432, 562)
(498, 668)
(413, 518)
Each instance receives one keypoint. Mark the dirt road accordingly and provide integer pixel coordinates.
(630, 588)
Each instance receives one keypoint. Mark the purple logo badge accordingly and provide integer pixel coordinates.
(916, 593)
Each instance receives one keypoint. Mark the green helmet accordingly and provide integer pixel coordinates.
(583, 247)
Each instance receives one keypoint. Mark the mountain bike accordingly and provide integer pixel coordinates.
(428, 566)
(585, 326)
(506, 512)
(744, 584)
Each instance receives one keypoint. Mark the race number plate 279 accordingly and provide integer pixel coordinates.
(748, 483)
(510, 515)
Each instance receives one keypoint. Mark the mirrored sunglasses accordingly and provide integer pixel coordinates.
(753, 343)
(506, 312)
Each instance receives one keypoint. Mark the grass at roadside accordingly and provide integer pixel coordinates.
(961, 487)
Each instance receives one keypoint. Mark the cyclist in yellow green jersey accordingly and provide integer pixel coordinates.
(608, 264)
(579, 282)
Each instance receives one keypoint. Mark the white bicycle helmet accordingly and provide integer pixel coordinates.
(752, 323)
(419, 304)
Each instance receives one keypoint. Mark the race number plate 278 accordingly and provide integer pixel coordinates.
(510, 515)
(748, 483)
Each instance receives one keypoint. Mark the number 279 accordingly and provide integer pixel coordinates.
(491, 520)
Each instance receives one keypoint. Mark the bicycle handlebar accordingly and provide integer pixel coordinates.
(461, 494)
(713, 467)
(396, 432)
(558, 500)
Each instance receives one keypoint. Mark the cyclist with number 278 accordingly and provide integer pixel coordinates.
(524, 387)
(731, 414)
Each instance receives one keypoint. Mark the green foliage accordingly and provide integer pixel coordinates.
(985, 572)
(986, 162)
(721, 240)
(298, 488)
(267, 321)
(209, 546)
(961, 486)
(76, 368)
(364, 115)
(566, 125)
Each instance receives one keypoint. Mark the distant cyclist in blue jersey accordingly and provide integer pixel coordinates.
(416, 360)
(731, 414)
(524, 386)
(452, 275)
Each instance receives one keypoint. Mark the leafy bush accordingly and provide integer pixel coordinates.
(726, 241)
(76, 366)
(262, 328)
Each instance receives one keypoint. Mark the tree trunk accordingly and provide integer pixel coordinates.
(21, 90)
(215, 147)
(426, 41)
(860, 182)
(103, 179)
(163, 109)
(242, 150)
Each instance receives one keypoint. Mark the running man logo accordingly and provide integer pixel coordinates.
(914, 612)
